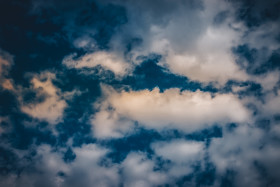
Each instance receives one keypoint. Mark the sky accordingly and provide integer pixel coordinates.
(126, 93)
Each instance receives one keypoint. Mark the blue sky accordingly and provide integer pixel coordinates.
(139, 93)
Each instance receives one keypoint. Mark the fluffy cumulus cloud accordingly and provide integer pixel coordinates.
(139, 171)
(195, 38)
(188, 154)
(91, 166)
(247, 154)
(184, 110)
(139, 93)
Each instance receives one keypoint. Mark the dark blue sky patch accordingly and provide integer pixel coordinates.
(87, 18)
(248, 88)
(8, 103)
(273, 62)
(34, 97)
(201, 176)
(256, 13)
(143, 138)
(249, 59)
(71, 79)
(206, 176)
(106, 20)
(139, 141)
(246, 57)
(80, 107)
(131, 43)
(253, 89)
(22, 137)
(228, 179)
(69, 156)
(41, 58)
(206, 134)
(80, 132)
(149, 75)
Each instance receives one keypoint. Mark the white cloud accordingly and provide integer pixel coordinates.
(42, 170)
(86, 169)
(186, 151)
(139, 171)
(242, 150)
(46, 165)
(182, 154)
(52, 108)
(227, 152)
(272, 103)
(109, 124)
(190, 41)
(107, 60)
(209, 57)
(184, 110)
(186, 36)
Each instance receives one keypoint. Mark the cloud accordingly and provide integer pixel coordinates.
(107, 60)
(175, 109)
(186, 151)
(187, 37)
(196, 39)
(52, 107)
(86, 168)
(248, 152)
(84, 42)
(272, 103)
(182, 154)
(109, 124)
(7, 84)
(6, 62)
(225, 132)
(48, 169)
(139, 171)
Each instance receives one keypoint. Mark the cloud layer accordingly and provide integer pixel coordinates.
(184, 110)
(139, 93)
